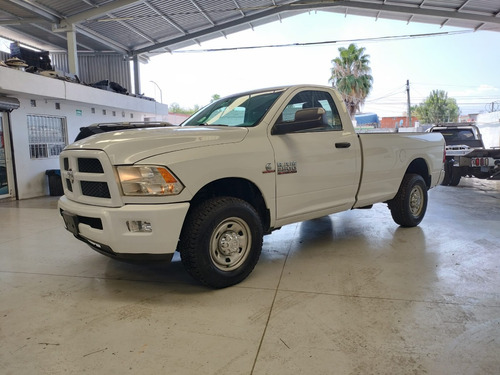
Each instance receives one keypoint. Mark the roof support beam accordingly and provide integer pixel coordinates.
(463, 5)
(64, 24)
(164, 17)
(215, 29)
(56, 35)
(202, 12)
(420, 10)
(131, 28)
(82, 30)
(137, 75)
(20, 21)
(238, 6)
(306, 5)
(36, 9)
(106, 41)
(72, 52)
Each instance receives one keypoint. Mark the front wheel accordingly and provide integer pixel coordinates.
(410, 203)
(221, 241)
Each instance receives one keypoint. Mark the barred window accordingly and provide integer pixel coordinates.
(47, 136)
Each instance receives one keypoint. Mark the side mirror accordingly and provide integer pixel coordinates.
(305, 119)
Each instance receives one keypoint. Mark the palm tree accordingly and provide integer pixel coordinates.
(351, 77)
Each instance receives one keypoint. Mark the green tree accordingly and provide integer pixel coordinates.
(437, 108)
(214, 98)
(176, 108)
(351, 77)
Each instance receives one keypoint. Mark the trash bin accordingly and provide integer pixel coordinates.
(55, 182)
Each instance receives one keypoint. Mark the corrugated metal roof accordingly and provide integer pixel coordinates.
(133, 27)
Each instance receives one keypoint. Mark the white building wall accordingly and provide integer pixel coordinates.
(489, 126)
(80, 105)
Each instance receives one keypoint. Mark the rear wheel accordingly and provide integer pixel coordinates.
(455, 177)
(410, 203)
(221, 242)
(448, 166)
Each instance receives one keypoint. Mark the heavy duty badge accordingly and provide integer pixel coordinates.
(287, 167)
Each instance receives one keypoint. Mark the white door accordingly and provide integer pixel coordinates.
(317, 161)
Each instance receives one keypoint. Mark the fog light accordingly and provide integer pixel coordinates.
(139, 226)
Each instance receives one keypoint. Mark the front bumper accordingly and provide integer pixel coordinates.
(105, 228)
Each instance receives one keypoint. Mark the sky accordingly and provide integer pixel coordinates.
(462, 63)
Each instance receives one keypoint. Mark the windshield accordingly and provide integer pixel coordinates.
(239, 110)
(453, 135)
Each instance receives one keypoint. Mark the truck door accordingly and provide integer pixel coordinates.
(317, 158)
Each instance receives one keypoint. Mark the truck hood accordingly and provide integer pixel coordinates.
(131, 146)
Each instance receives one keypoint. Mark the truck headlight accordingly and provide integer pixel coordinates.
(148, 180)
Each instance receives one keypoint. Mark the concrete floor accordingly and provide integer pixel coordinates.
(346, 294)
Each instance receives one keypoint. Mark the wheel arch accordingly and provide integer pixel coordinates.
(419, 166)
(238, 188)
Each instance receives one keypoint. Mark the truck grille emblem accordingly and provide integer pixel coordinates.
(71, 176)
(269, 168)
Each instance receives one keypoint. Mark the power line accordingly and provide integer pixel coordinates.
(392, 93)
(305, 44)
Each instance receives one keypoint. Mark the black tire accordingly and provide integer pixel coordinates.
(455, 177)
(221, 241)
(410, 203)
(448, 166)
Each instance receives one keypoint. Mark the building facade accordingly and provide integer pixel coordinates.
(398, 122)
(40, 115)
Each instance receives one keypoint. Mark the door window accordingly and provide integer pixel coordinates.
(309, 111)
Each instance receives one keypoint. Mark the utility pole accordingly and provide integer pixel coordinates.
(408, 99)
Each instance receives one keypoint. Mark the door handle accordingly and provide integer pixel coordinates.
(342, 145)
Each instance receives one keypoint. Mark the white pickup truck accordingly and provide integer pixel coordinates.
(239, 168)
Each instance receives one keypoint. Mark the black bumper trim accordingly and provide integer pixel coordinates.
(138, 257)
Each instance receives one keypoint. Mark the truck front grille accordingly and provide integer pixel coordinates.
(69, 185)
(89, 165)
(95, 189)
(90, 178)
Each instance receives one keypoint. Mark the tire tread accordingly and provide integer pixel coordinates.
(399, 205)
(193, 259)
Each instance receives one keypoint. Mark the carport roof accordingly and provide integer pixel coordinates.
(138, 27)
